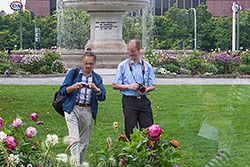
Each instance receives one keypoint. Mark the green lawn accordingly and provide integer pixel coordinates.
(220, 113)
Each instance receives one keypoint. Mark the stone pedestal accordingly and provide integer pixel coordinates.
(106, 21)
(106, 32)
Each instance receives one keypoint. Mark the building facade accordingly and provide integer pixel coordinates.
(41, 7)
(216, 7)
(161, 6)
(224, 7)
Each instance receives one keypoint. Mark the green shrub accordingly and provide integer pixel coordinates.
(172, 68)
(141, 151)
(31, 63)
(3, 67)
(244, 69)
(210, 68)
(45, 70)
(58, 66)
(50, 56)
(245, 57)
(3, 57)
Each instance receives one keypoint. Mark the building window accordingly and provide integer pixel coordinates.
(195, 3)
(180, 4)
(172, 2)
(158, 7)
(165, 6)
(204, 1)
(187, 4)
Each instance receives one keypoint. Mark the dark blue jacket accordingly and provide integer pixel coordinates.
(70, 98)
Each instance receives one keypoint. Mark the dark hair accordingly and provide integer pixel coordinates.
(90, 54)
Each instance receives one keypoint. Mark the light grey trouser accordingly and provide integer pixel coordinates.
(79, 123)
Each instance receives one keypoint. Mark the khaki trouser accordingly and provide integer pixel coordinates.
(79, 123)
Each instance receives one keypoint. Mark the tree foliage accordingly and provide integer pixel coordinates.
(70, 29)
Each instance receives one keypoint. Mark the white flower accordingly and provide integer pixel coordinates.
(113, 161)
(85, 164)
(51, 139)
(62, 157)
(2, 136)
(14, 159)
(162, 71)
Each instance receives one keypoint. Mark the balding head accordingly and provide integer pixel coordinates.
(134, 49)
(135, 43)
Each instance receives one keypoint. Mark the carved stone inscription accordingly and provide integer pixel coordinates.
(109, 25)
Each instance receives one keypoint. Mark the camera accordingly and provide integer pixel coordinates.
(85, 85)
(141, 88)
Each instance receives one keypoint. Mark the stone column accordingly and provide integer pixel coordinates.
(106, 32)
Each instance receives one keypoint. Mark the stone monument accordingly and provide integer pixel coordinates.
(106, 22)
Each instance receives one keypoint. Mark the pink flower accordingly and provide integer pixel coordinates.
(1, 120)
(122, 161)
(30, 132)
(154, 131)
(34, 116)
(17, 122)
(175, 165)
(10, 142)
(155, 138)
(1, 126)
(109, 141)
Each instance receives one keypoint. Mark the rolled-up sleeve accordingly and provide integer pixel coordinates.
(118, 76)
(151, 77)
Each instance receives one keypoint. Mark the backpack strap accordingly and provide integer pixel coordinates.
(76, 73)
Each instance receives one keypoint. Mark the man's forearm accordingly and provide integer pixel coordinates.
(150, 88)
(120, 86)
(70, 89)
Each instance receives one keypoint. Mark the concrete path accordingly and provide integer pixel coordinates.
(108, 76)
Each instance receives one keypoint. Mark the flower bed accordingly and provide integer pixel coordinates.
(199, 63)
(47, 62)
(150, 147)
(20, 146)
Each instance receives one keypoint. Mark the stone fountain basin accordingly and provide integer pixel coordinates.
(106, 5)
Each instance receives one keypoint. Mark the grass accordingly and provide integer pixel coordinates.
(219, 113)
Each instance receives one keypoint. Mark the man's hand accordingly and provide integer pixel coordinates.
(93, 87)
(77, 85)
(133, 86)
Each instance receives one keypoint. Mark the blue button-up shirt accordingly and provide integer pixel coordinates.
(124, 76)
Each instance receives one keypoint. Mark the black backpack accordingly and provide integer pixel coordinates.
(59, 99)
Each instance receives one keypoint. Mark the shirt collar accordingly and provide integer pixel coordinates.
(132, 61)
(81, 72)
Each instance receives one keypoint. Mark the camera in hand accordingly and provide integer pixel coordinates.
(85, 85)
(141, 88)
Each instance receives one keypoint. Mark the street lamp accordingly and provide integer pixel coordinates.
(195, 44)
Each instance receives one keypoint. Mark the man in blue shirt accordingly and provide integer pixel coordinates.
(135, 79)
(81, 103)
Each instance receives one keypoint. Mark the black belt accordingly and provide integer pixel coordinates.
(83, 105)
(137, 97)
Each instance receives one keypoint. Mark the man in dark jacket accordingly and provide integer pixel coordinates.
(81, 103)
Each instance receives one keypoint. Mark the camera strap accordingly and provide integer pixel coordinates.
(142, 70)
